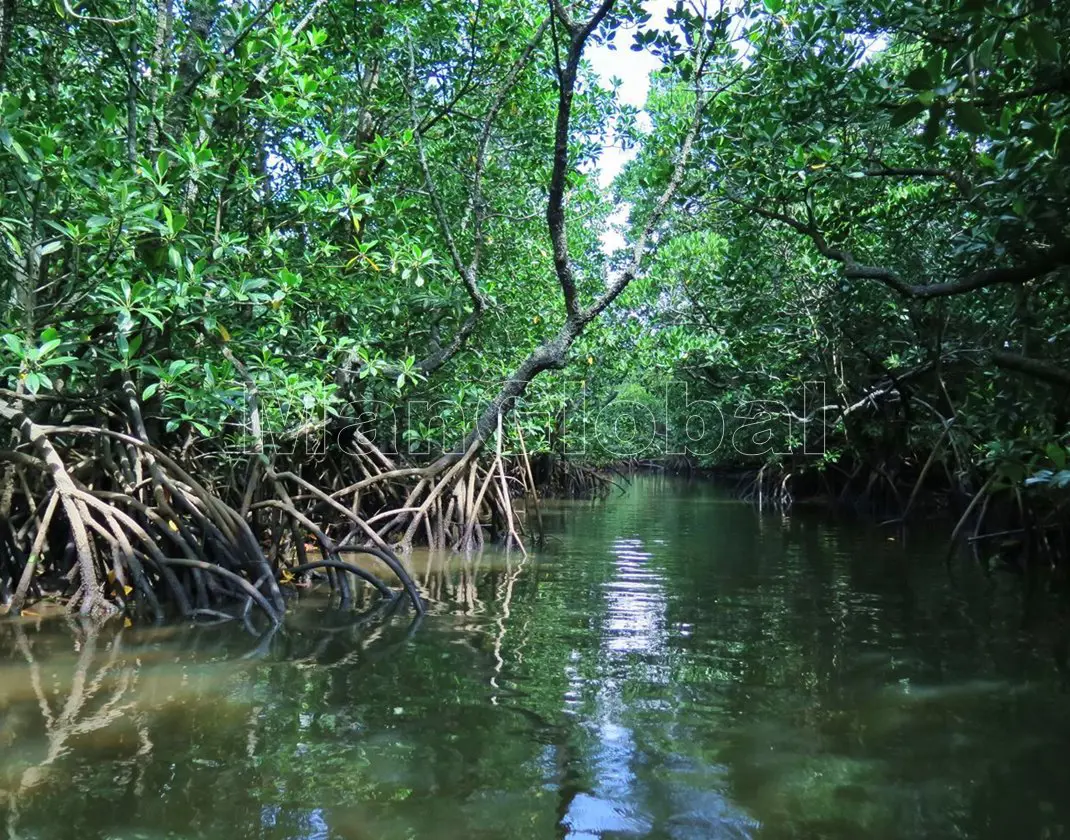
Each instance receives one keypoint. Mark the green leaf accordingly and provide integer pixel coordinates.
(934, 126)
(55, 361)
(919, 79)
(905, 113)
(14, 345)
(150, 390)
(1044, 42)
(153, 319)
(13, 145)
(48, 347)
(1043, 135)
(935, 66)
(986, 51)
(969, 118)
(110, 113)
(175, 221)
(1024, 43)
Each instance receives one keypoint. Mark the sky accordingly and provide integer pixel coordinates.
(633, 69)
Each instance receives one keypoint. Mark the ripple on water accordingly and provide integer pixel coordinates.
(670, 665)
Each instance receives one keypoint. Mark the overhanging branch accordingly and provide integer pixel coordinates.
(957, 178)
(1041, 262)
(1036, 368)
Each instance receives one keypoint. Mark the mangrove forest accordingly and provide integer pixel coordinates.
(535, 419)
(286, 286)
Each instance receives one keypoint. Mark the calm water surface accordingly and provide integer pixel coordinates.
(670, 665)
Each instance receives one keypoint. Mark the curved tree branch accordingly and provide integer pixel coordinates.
(1040, 263)
(555, 207)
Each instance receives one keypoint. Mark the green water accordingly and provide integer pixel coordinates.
(671, 665)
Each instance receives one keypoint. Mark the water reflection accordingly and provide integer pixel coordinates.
(635, 603)
(672, 666)
(629, 709)
(635, 607)
(88, 692)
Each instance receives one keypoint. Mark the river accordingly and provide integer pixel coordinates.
(670, 664)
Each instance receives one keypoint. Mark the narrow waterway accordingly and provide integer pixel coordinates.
(672, 664)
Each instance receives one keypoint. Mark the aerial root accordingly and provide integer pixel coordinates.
(104, 519)
(127, 529)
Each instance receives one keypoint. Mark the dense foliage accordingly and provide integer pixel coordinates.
(298, 252)
(879, 209)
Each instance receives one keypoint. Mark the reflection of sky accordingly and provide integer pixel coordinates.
(311, 824)
(634, 625)
(630, 795)
(636, 601)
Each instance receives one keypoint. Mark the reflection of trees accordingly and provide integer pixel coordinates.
(98, 696)
(845, 683)
(765, 661)
(786, 642)
(342, 718)
(458, 732)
